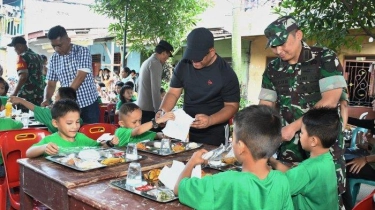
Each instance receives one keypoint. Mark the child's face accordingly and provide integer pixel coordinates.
(2, 89)
(304, 138)
(68, 125)
(235, 144)
(57, 96)
(117, 89)
(128, 94)
(131, 120)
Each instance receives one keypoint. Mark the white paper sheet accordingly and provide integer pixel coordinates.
(178, 128)
(169, 175)
(105, 137)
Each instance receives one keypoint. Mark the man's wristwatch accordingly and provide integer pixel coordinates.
(154, 124)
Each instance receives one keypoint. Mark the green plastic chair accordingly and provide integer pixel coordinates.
(355, 184)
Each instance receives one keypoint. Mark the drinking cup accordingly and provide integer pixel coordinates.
(131, 151)
(134, 177)
(25, 120)
(165, 146)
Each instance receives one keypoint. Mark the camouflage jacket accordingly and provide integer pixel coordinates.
(32, 63)
(297, 88)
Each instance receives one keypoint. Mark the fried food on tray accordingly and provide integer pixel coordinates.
(112, 161)
(229, 160)
(141, 146)
(152, 175)
(178, 148)
(70, 162)
(203, 174)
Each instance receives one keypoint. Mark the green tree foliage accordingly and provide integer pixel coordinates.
(148, 21)
(328, 22)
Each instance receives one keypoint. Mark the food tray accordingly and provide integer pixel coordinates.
(224, 167)
(149, 193)
(150, 187)
(150, 147)
(62, 159)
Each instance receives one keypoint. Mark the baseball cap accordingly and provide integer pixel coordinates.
(277, 32)
(165, 45)
(199, 41)
(17, 40)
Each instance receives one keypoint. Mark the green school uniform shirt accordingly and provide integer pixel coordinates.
(81, 140)
(125, 136)
(313, 183)
(9, 124)
(236, 190)
(43, 115)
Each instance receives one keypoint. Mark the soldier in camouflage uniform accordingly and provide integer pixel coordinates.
(30, 84)
(299, 79)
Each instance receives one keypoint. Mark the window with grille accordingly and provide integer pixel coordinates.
(360, 80)
(96, 58)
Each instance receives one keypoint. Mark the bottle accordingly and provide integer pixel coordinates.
(8, 109)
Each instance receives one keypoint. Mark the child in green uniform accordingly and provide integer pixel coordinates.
(256, 136)
(43, 114)
(125, 96)
(131, 130)
(4, 87)
(66, 118)
(313, 183)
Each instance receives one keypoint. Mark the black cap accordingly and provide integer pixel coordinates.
(199, 41)
(165, 45)
(17, 40)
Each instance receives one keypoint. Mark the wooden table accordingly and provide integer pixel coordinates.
(49, 182)
(102, 195)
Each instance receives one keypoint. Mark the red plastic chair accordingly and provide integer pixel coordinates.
(3, 188)
(111, 108)
(367, 203)
(95, 130)
(13, 146)
(103, 109)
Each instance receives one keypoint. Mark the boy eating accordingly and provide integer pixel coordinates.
(131, 130)
(256, 136)
(66, 118)
(313, 183)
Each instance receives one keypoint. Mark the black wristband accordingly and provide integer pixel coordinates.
(109, 143)
(159, 110)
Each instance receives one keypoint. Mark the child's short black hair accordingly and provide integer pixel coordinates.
(129, 83)
(101, 84)
(62, 107)
(119, 83)
(67, 93)
(133, 72)
(122, 91)
(128, 108)
(6, 85)
(324, 123)
(259, 127)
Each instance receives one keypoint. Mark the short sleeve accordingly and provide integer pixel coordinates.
(85, 60)
(268, 91)
(331, 72)
(16, 124)
(176, 80)
(298, 178)
(21, 65)
(123, 135)
(231, 89)
(118, 105)
(86, 141)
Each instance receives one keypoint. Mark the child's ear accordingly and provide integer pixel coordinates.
(121, 123)
(314, 141)
(54, 123)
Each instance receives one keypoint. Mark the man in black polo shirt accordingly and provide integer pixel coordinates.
(211, 89)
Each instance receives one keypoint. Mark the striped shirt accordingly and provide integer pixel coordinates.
(64, 68)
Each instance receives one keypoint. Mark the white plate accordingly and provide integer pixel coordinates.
(89, 154)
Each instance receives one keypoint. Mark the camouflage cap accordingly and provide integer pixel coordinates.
(277, 32)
